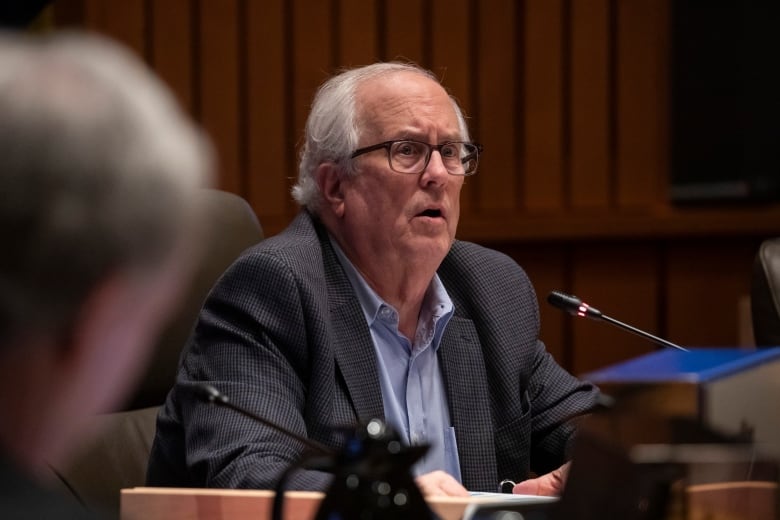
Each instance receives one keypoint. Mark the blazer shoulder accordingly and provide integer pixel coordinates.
(482, 280)
(294, 257)
(300, 243)
(473, 260)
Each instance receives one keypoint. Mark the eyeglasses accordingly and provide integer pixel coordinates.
(408, 156)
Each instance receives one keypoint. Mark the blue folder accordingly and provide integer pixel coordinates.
(698, 365)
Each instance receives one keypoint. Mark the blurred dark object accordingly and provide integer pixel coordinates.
(644, 470)
(373, 478)
(510, 511)
(724, 104)
(18, 14)
(640, 466)
(605, 483)
(765, 294)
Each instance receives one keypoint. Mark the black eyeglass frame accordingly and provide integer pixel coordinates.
(387, 145)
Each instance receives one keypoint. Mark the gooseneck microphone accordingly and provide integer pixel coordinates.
(577, 307)
(210, 394)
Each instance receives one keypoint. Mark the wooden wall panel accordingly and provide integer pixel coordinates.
(496, 185)
(123, 21)
(589, 90)
(312, 52)
(621, 280)
(270, 150)
(218, 102)
(547, 267)
(358, 35)
(404, 29)
(543, 106)
(451, 57)
(642, 78)
(171, 46)
(705, 282)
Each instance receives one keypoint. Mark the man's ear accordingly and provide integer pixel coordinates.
(331, 183)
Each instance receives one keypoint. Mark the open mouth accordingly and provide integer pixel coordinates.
(433, 213)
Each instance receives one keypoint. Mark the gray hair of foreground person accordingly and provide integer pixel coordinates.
(99, 173)
(334, 124)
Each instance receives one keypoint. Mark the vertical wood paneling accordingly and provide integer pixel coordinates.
(69, 13)
(312, 51)
(642, 78)
(543, 105)
(621, 281)
(705, 283)
(450, 48)
(497, 182)
(546, 267)
(123, 21)
(270, 154)
(171, 46)
(219, 88)
(404, 30)
(357, 33)
(451, 62)
(589, 105)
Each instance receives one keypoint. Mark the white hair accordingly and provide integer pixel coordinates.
(332, 129)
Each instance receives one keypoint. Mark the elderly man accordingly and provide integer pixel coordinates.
(98, 175)
(367, 306)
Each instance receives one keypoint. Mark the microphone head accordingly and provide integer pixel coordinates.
(564, 301)
(572, 305)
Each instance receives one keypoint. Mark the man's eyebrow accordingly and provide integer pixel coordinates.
(423, 138)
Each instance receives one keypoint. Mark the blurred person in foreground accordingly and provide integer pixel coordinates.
(99, 171)
(367, 306)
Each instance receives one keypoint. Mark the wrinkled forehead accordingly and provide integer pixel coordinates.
(390, 105)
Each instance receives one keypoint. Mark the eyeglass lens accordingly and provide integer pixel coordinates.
(413, 157)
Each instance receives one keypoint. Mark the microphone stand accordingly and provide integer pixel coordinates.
(659, 341)
(577, 307)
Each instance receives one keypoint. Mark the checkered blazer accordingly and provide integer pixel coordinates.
(283, 335)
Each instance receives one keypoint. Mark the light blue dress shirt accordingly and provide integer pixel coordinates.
(413, 393)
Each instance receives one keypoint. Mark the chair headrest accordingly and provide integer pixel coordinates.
(765, 294)
(231, 226)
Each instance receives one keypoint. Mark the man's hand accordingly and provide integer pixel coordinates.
(551, 484)
(440, 483)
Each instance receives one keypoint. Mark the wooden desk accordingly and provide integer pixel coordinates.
(725, 501)
(732, 501)
(229, 504)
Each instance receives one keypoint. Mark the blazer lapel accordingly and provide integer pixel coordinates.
(466, 381)
(356, 360)
(352, 344)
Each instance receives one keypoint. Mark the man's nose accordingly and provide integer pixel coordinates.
(435, 172)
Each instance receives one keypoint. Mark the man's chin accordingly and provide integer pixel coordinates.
(433, 246)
